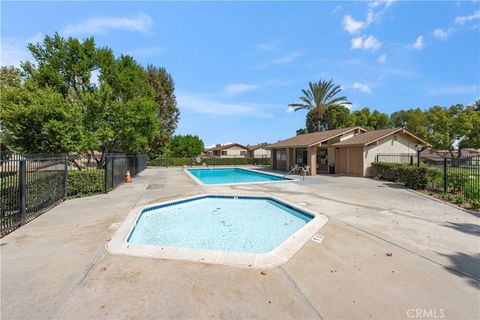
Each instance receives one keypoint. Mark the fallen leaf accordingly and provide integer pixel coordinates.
(263, 273)
(389, 254)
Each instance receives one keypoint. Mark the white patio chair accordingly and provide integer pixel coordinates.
(306, 171)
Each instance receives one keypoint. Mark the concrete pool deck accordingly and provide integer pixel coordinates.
(387, 253)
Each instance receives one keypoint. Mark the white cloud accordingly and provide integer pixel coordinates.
(418, 44)
(154, 51)
(462, 20)
(455, 90)
(139, 23)
(202, 104)
(363, 87)
(441, 34)
(382, 58)
(14, 50)
(376, 10)
(268, 46)
(374, 4)
(239, 88)
(351, 25)
(357, 43)
(368, 43)
(286, 59)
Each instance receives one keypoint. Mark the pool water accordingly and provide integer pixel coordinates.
(232, 175)
(226, 223)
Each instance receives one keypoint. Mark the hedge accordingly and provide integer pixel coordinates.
(208, 161)
(43, 188)
(85, 182)
(417, 178)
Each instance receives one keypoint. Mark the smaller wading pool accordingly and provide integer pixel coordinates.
(232, 176)
(226, 229)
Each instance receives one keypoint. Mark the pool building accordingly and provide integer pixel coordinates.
(349, 151)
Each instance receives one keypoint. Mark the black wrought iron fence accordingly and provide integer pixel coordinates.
(458, 176)
(462, 177)
(31, 185)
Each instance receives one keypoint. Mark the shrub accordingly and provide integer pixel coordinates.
(472, 189)
(413, 177)
(43, 188)
(456, 181)
(208, 161)
(85, 182)
(475, 204)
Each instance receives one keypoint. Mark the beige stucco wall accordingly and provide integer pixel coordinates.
(233, 151)
(394, 144)
(331, 150)
(259, 153)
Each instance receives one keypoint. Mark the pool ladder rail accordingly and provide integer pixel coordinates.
(294, 169)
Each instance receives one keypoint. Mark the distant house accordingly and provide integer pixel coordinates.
(433, 155)
(232, 150)
(258, 151)
(348, 151)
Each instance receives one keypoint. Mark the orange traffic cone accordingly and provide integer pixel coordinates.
(128, 178)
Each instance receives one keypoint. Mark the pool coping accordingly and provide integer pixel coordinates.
(118, 244)
(236, 183)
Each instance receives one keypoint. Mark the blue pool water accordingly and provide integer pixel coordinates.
(232, 175)
(226, 223)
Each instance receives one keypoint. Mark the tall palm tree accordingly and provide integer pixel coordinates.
(320, 97)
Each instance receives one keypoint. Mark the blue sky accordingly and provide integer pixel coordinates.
(237, 65)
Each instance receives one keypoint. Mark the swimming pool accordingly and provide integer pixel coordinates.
(243, 231)
(232, 176)
(226, 223)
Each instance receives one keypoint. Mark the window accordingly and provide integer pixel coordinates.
(243, 153)
(224, 152)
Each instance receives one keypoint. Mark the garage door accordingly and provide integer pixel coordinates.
(349, 161)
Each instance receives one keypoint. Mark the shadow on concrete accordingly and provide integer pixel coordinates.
(465, 266)
(469, 228)
(393, 185)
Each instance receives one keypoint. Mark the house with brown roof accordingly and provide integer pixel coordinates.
(231, 150)
(258, 151)
(348, 151)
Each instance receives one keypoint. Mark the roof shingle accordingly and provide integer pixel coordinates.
(372, 136)
(309, 139)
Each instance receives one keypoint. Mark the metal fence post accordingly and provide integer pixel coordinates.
(445, 175)
(113, 172)
(23, 190)
(65, 179)
(105, 178)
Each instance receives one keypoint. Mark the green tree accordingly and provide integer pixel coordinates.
(448, 127)
(301, 131)
(369, 120)
(320, 97)
(121, 116)
(186, 146)
(472, 136)
(336, 117)
(38, 120)
(10, 76)
(414, 120)
(476, 105)
(116, 112)
(168, 112)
